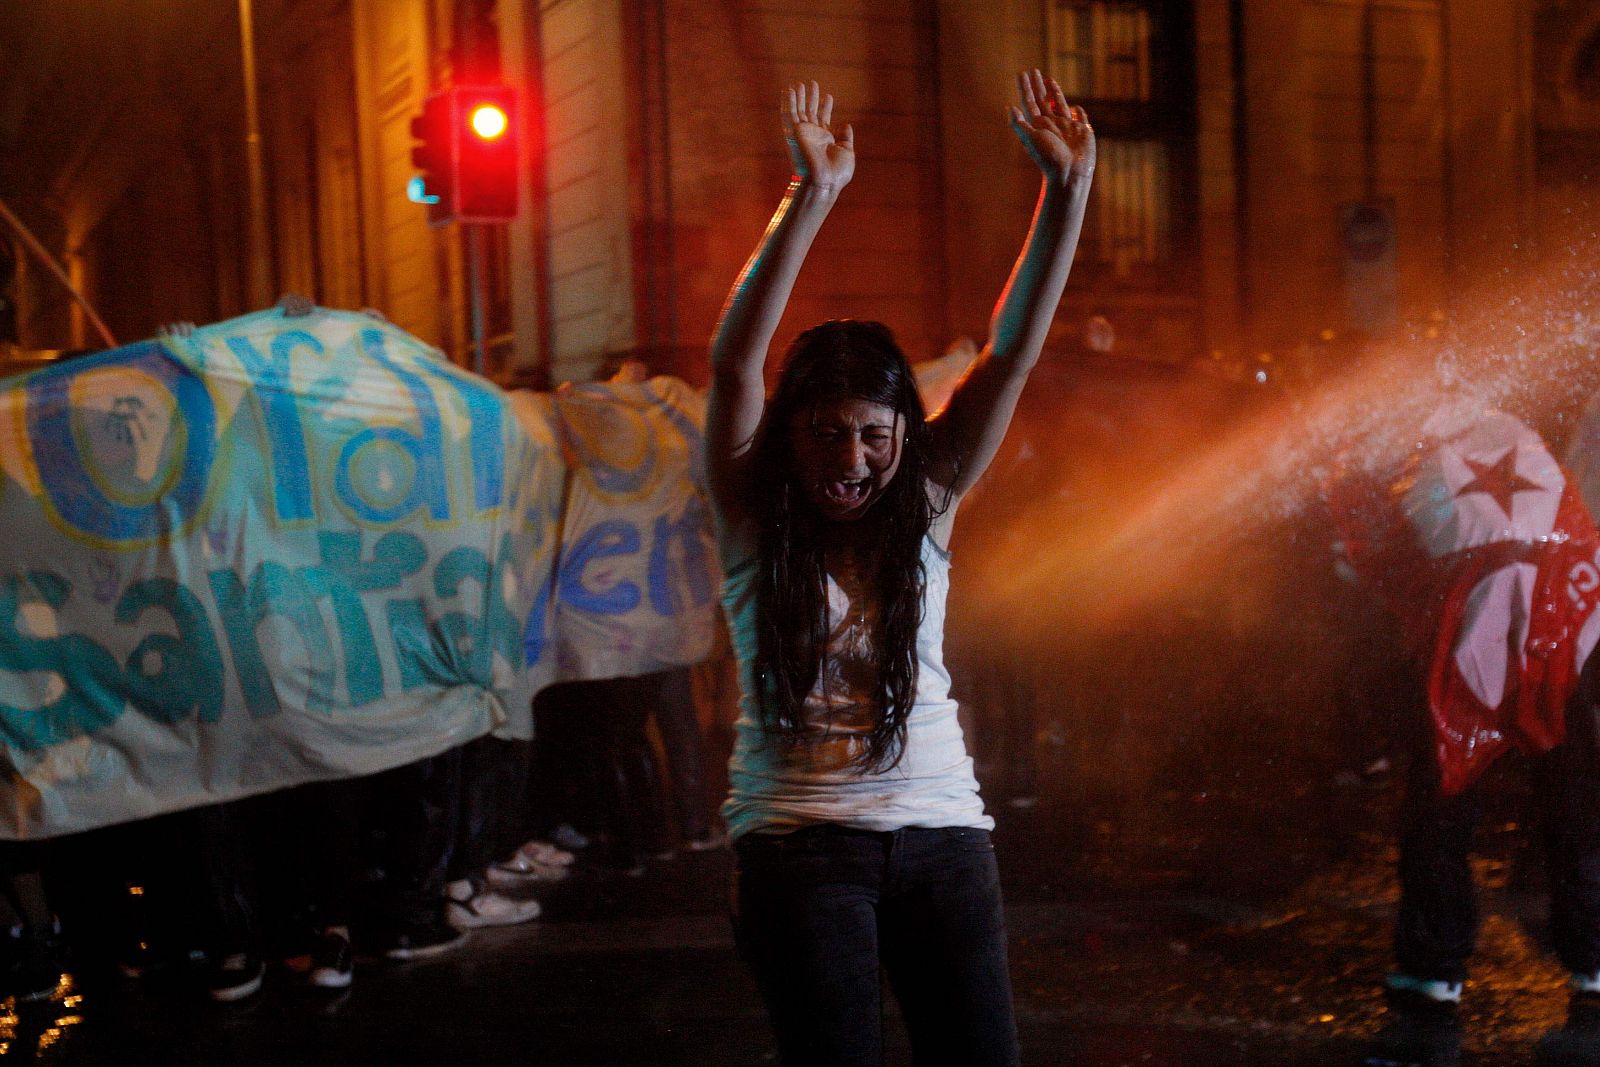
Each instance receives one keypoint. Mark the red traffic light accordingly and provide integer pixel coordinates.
(488, 121)
(486, 164)
(468, 154)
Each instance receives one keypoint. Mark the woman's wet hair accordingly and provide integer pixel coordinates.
(842, 359)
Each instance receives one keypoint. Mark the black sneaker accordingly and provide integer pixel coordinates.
(422, 940)
(236, 977)
(32, 969)
(1417, 1031)
(1577, 1044)
(332, 962)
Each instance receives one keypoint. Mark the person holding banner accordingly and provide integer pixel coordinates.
(861, 841)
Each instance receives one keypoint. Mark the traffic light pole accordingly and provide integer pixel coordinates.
(474, 235)
(468, 163)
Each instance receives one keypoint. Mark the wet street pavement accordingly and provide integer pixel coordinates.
(1242, 923)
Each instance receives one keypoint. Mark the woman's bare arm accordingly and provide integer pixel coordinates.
(973, 424)
(823, 165)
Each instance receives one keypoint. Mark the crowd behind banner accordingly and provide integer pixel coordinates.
(282, 600)
(290, 548)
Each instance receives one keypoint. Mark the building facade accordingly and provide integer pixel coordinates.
(1270, 170)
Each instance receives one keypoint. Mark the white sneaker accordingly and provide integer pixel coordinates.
(709, 843)
(1434, 989)
(520, 870)
(569, 838)
(467, 909)
(546, 853)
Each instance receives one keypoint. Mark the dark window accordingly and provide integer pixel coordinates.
(1129, 64)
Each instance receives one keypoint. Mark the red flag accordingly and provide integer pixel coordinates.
(1483, 548)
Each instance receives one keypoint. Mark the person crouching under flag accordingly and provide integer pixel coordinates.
(1481, 546)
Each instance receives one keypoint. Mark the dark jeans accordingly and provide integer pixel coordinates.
(416, 809)
(634, 819)
(1438, 921)
(566, 763)
(494, 781)
(327, 819)
(670, 695)
(817, 911)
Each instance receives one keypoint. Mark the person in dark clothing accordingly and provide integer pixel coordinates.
(1481, 547)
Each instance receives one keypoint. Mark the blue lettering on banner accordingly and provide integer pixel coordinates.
(601, 541)
(461, 633)
(420, 662)
(458, 647)
(343, 577)
(533, 635)
(274, 590)
(607, 476)
(690, 565)
(68, 484)
(691, 432)
(362, 492)
(91, 695)
(274, 391)
(474, 639)
(486, 435)
(171, 678)
(305, 634)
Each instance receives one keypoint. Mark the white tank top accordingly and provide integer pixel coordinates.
(776, 786)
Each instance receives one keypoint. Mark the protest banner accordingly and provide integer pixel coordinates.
(638, 576)
(287, 548)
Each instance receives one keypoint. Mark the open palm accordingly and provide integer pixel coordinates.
(817, 155)
(1056, 135)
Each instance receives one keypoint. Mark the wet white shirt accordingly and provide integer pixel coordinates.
(776, 786)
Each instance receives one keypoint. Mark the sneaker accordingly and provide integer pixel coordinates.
(505, 876)
(1418, 1031)
(709, 843)
(545, 853)
(332, 965)
(422, 940)
(236, 977)
(467, 909)
(33, 973)
(522, 868)
(1577, 1044)
(567, 837)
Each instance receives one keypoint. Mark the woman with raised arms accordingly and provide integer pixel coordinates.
(860, 838)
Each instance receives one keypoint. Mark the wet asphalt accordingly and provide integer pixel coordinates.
(1243, 922)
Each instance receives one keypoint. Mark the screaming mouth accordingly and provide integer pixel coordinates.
(846, 493)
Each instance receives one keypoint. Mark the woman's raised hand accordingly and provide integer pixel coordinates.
(818, 156)
(1057, 136)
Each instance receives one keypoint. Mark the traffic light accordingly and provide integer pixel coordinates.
(434, 159)
(486, 161)
(467, 160)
